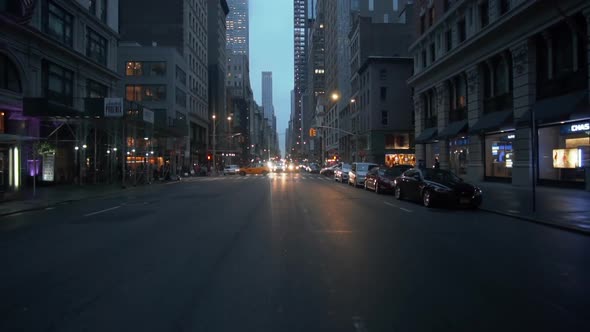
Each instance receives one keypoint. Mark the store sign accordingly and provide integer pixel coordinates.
(148, 115)
(113, 107)
(575, 128)
(48, 167)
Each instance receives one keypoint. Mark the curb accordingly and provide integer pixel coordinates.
(553, 224)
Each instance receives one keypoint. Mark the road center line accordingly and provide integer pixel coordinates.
(102, 211)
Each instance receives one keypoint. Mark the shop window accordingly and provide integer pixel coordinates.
(9, 78)
(499, 155)
(564, 150)
(458, 155)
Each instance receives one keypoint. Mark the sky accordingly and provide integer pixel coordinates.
(271, 49)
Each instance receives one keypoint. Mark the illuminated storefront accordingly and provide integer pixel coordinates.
(564, 152)
(499, 155)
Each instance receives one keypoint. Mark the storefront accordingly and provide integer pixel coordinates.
(499, 155)
(564, 152)
(397, 150)
(458, 155)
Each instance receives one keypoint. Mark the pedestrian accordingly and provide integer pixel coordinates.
(436, 163)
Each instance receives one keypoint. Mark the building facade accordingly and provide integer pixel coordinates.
(267, 95)
(47, 74)
(238, 40)
(182, 24)
(498, 95)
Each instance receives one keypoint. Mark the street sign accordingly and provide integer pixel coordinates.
(113, 107)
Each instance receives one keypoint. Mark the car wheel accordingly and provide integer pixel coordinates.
(377, 191)
(427, 198)
(242, 173)
(398, 193)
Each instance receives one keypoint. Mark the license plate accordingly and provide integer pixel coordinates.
(463, 200)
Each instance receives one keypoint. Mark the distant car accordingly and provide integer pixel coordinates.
(341, 173)
(314, 168)
(357, 173)
(279, 167)
(231, 170)
(254, 169)
(381, 179)
(328, 171)
(433, 186)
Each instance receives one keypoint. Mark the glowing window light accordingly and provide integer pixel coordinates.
(16, 169)
(10, 170)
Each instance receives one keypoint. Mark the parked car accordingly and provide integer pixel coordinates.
(357, 173)
(254, 169)
(341, 173)
(231, 170)
(328, 171)
(381, 179)
(433, 186)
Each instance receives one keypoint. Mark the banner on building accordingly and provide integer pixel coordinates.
(49, 167)
(148, 115)
(113, 107)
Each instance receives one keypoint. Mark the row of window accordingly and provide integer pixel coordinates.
(58, 84)
(429, 54)
(59, 24)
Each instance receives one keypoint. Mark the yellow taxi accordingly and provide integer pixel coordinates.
(257, 168)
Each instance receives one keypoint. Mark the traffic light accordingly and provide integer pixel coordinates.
(313, 132)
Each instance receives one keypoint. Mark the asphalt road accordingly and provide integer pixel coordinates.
(293, 252)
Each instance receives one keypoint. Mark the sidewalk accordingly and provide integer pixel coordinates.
(50, 196)
(566, 208)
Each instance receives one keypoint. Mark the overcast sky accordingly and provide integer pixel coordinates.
(271, 49)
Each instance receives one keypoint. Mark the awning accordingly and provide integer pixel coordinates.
(491, 121)
(426, 135)
(10, 138)
(559, 108)
(453, 129)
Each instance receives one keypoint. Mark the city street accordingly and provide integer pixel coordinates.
(285, 252)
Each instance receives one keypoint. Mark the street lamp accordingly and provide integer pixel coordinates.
(214, 146)
(335, 96)
(231, 139)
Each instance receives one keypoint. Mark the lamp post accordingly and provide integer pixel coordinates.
(231, 139)
(214, 146)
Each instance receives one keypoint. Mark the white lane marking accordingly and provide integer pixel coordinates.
(102, 211)
(406, 210)
(359, 324)
(49, 208)
(173, 182)
(390, 204)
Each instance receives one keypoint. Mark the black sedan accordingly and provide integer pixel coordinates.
(381, 179)
(436, 186)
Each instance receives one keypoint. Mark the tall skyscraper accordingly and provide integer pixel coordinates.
(267, 95)
(300, 20)
(237, 27)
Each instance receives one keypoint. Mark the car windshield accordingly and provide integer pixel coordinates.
(439, 175)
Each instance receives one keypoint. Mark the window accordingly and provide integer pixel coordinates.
(431, 15)
(371, 5)
(58, 83)
(145, 92)
(145, 68)
(501, 79)
(180, 97)
(99, 9)
(9, 78)
(504, 6)
(446, 5)
(484, 16)
(384, 118)
(422, 24)
(180, 75)
(395, 5)
(424, 59)
(386, 18)
(383, 93)
(59, 24)
(432, 53)
(95, 89)
(462, 30)
(449, 40)
(383, 74)
(96, 47)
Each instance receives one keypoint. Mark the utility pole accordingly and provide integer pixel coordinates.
(214, 147)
